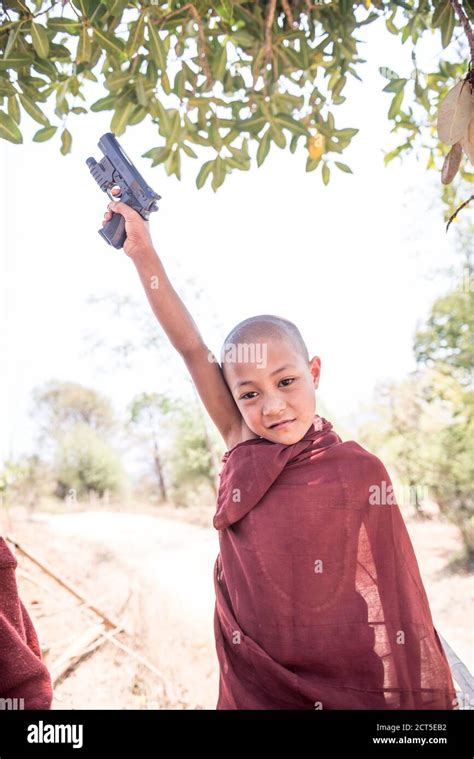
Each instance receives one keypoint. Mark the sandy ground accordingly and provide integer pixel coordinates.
(155, 573)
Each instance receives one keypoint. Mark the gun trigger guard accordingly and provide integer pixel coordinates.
(110, 194)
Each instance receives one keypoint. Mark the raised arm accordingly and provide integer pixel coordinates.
(179, 325)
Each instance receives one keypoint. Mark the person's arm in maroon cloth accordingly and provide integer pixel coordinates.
(23, 674)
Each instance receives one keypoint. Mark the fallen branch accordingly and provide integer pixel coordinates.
(74, 653)
(109, 623)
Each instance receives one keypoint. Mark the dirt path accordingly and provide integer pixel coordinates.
(169, 564)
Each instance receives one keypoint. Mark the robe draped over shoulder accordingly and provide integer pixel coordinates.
(319, 599)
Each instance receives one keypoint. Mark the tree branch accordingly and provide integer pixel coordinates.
(465, 22)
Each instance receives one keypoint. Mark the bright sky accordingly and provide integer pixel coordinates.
(355, 264)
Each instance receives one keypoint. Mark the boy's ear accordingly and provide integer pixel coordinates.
(315, 369)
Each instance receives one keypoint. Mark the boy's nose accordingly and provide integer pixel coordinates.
(272, 411)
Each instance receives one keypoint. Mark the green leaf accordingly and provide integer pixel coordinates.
(165, 83)
(396, 105)
(158, 111)
(176, 164)
(12, 35)
(158, 155)
(440, 13)
(388, 73)
(111, 43)
(214, 134)
(447, 27)
(40, 39)
(343, 134)
(241, 38)
(136, 35)
(14, 109)
(296, 127)
(389, 23)
(178, 86)
(395, 85)
(62, 91)
(84, 47)
(137, 115)
(218, 173)
(277, 136)
(343, 167)
(175, 124)
(6, 88)
(9, 130)
(44, 134)
(203, 174)
(188, 150)
(241, 154)
(87, 74)
(219, 63)
(312, 163)
(294, 143)
(117, 79)
(121, 116)
(104, 104)
(251, 124)
(15, 61)
(157, 48)
(65, 25)
(392, 154)
(33, 110)
(46, 67)
(263, 148)
(326, 173)
(235, 164)
(140, 90)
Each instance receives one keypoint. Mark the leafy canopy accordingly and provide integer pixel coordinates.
(230, 65)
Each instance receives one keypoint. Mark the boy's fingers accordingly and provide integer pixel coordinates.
(118, 207)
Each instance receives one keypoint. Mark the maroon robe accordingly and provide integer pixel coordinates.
(319, 599)
(23, 673)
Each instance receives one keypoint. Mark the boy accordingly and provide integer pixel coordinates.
(25, 682)
(319, 600)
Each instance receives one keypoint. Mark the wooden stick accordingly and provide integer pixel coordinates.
(168, 688)
(109, 623)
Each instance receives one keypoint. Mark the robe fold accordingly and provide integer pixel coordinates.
(319, 599)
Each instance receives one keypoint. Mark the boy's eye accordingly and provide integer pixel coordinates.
(288, 379)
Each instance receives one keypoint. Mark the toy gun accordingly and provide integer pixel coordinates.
(117, 170)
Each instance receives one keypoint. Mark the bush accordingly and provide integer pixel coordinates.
(86, 463)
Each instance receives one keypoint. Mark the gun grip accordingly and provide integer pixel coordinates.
(114, 230)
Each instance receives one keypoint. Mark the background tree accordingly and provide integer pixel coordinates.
(190, 467)
(76, 427)
(236, 63)
(445, 344)
(59, 404)
(86, 464)
(403, 432)
(424, 426)
(148, 412)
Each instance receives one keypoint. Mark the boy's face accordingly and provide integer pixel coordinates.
(272, 396)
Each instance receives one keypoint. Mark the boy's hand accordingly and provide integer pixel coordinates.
(138, 230)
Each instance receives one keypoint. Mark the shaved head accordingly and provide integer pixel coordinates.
(257, 328)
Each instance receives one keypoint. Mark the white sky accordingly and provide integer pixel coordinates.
(355, 264)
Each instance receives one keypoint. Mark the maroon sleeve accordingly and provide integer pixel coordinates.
(23, 674)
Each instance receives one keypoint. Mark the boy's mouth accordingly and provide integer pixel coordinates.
(282, 424)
